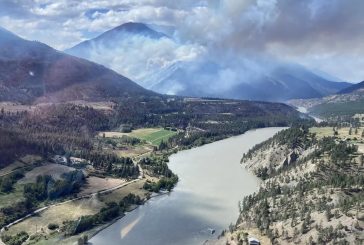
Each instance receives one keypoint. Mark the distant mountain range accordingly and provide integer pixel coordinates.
(347, 102)
(150, 58)
(31, 71)
(352, 88)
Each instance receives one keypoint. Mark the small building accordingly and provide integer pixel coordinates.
(253, 241)
(77, 160)
(125, 128)
(60, 159)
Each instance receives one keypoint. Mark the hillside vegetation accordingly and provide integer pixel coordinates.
(312, 191)
(84, 140)
(342, 105)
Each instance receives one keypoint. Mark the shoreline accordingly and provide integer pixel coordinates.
(305, 111)
(167, 153)
(170, 152)
(100, 228)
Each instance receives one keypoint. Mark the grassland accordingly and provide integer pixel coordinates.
(95, 184)
(72, 211)
(26, 161)
(116, 195)
(37, 225)
(52, 169)
(133, 151)
(8, 199)
(16, 195)
(343, 133)
(57, 214)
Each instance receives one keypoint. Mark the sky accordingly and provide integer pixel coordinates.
(323, 35)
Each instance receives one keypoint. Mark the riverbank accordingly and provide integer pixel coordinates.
(168, 153)
(97, 230)
(305, 111)
(312, 191)
(93, 232)
(204, 199)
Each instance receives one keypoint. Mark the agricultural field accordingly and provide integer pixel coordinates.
(154, 136)
(116, 195)
(8, 199)
(133, 151)
(72, 210)
(26, 161)
(57, 214)
(95, 184)
(343, 133)
(52, 169)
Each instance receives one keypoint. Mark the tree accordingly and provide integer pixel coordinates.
(162, 146)
(53, 226)
(328, 213)
(310, 240)
(80, 241)
(306, 223)
(6, 185)
(295, 232)
(85, 239)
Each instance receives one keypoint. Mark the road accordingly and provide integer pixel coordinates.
(141, 176)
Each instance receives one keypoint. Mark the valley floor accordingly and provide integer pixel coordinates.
(97, 193)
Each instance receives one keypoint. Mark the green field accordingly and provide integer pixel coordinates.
(157, 137)
(153, 136)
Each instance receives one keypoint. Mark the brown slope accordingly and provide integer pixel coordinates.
(31, 72)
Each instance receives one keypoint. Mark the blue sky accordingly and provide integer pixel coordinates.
(324, 35)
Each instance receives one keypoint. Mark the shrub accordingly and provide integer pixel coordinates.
(53, 226)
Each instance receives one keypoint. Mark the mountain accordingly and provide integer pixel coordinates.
(134, 50)
(165, 65)
(347, 102)
(31, 71)
(353, 88)
(281, 83)
(108, 38)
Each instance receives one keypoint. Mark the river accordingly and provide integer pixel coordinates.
(304, 110)
(211, 183)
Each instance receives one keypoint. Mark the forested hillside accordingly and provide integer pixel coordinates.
(312, 191)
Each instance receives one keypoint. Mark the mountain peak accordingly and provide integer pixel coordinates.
(132, 28)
